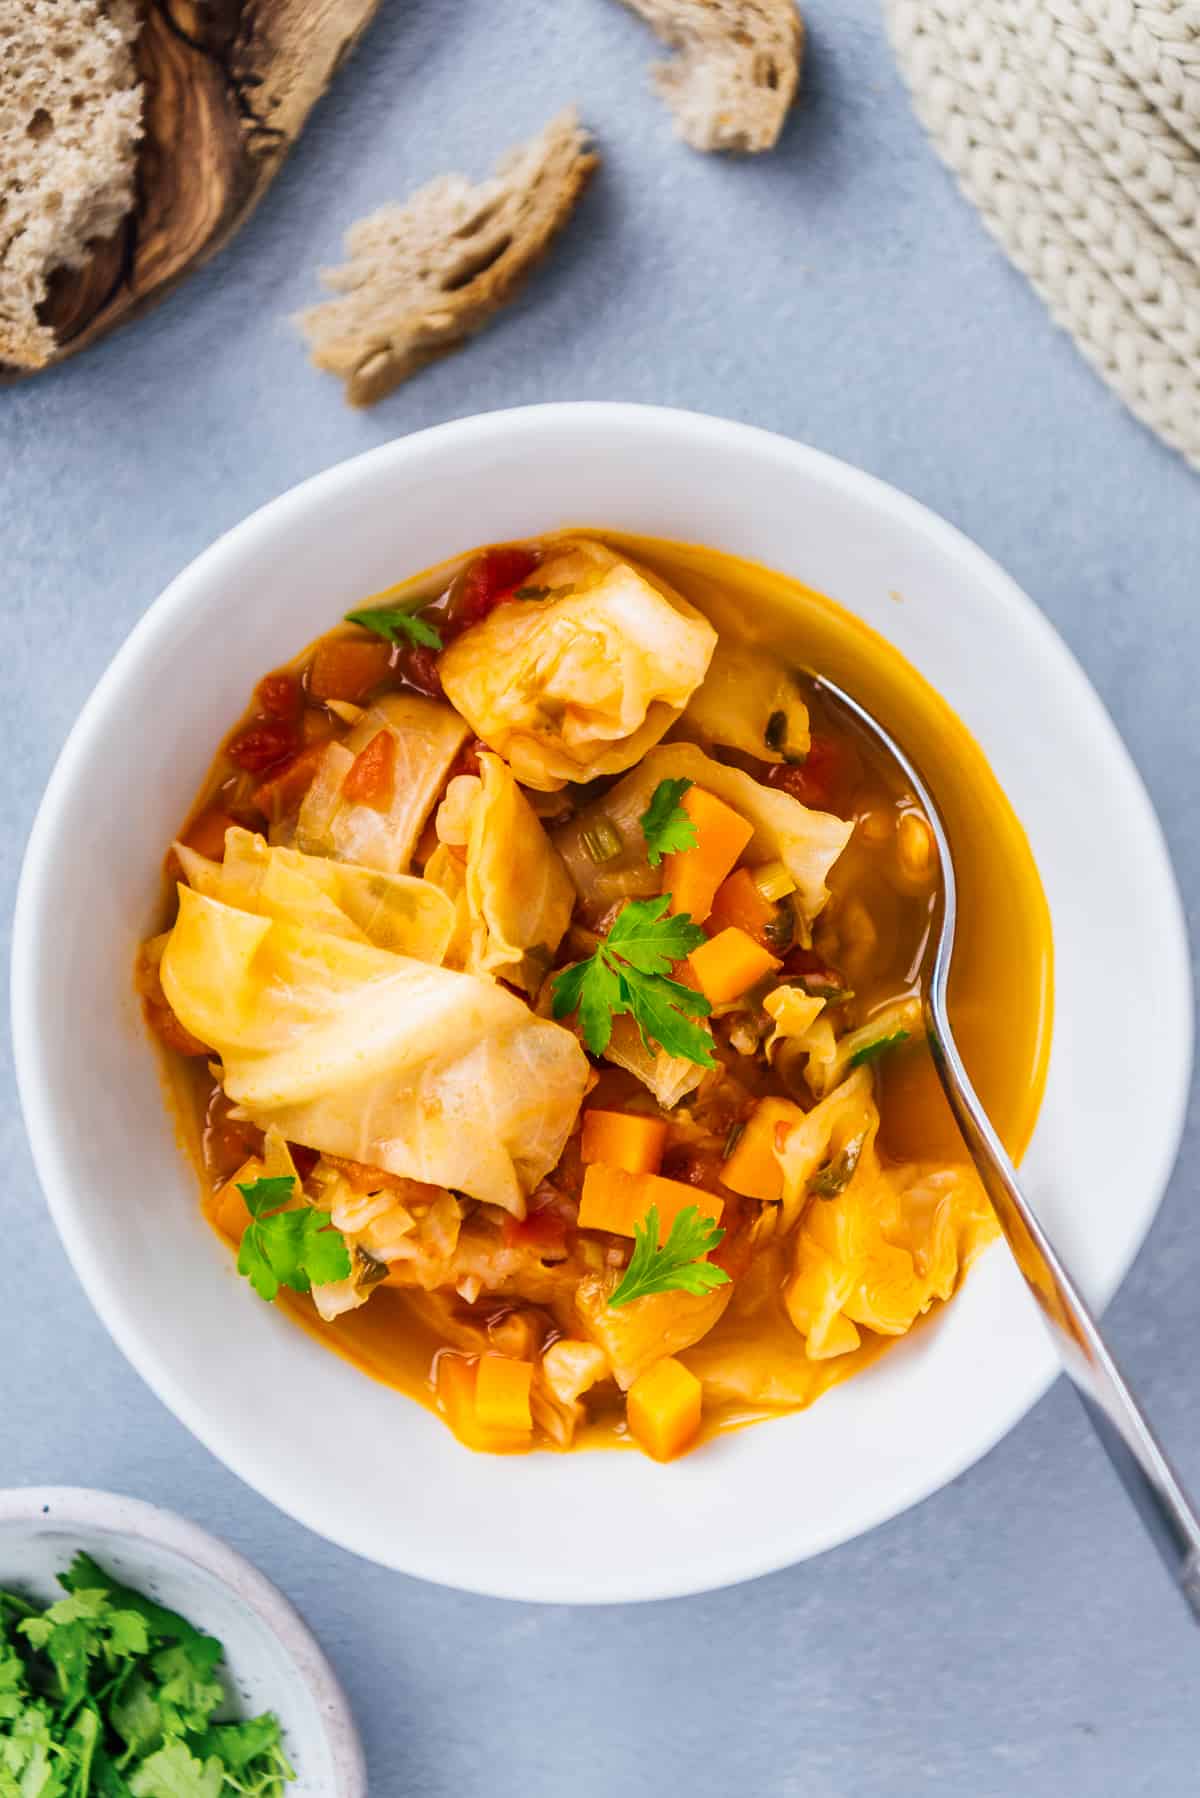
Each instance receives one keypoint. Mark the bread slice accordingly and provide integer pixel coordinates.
(70, 120)
(735, 72)
(425, 276)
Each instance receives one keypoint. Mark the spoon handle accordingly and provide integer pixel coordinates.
(1165, 1509)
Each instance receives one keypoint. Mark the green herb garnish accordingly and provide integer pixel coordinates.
(665, 825)
(106, 1694)
(629, 973)
(294, 1248)
(394, 623)
(870, 1051)
(679, 1265)
(838, 1172)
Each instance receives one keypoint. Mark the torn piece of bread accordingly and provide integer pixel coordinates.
(735, 72)
(424, 277)
(70, 121)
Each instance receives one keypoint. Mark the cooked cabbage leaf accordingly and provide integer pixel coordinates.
(514, 896)
(807, 842)
(878, 1255)
(440, 1076)
(750, 701)
(427, 737)
(393, 911)
(572, 687)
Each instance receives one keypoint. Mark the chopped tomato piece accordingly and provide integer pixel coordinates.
(487, 581)
(170, 1031)
(815, 974)
(371, 778)
(693, 1166)
(278, 695)
(263, 746)
(543, 1231)
(280, 796)
(227, 1141)
(348, 668)
(206, 833)
(418, 667)
(467, 759)
(823, 780)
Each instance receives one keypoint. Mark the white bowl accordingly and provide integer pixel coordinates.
(350, 1458)
(272, 1660)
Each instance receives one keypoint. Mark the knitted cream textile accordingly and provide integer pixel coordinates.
(1074, 126)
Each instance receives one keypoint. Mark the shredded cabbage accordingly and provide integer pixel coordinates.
(440, 1076)
(751, 702)
(513, 898)
(427, 736)
(393, 911)
(570, 687)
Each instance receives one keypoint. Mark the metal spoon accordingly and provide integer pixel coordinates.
(1166, 1511)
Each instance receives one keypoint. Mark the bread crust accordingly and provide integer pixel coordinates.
(228, 86)
(423, 277)
(735, 70)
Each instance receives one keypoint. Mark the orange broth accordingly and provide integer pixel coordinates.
(1001, 991)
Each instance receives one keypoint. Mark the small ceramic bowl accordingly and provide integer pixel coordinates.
(272, 1660)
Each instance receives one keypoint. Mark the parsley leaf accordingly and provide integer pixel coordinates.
(395, 622)
(665, 824)
(106, 1694)
(172, 1771)
(629, 973)
(870, 1051)
(288, 1248)
(679, 1265)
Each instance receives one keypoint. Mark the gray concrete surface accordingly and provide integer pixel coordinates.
(1012, 1635)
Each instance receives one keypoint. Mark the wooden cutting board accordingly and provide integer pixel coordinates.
(228, 87)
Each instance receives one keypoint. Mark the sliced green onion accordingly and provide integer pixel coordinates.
(870, 1051)
(736, 1132)
(602, 840)
(772, 882)
(775, 735)
(837, 1174)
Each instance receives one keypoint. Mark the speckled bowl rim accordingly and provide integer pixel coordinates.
(140, 1521)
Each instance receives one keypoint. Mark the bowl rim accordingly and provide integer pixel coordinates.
(495, 428)
(138, 1521)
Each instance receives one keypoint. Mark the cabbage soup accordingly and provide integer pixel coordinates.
(537, 990)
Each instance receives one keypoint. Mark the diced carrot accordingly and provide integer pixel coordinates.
(170, 1031)
(622, 1139)
(371, 777)
(280, 796)
(616, 1200)
(229, 1210)
(545, 1232)
(348, 668)
(739, 904)
(663, 1408)
(278, 695)
(206, 833)
(692, 876)
(752, 1169)
(729, 964)
(455, 1379)
(317, 725)
(502, 1388)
